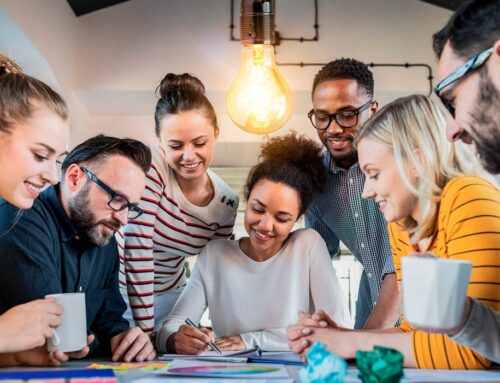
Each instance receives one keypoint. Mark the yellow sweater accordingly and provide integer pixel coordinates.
(468, 227)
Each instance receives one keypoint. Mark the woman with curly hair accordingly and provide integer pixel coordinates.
(254, 287)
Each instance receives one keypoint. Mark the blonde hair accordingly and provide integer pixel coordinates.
(414, 128)
(20, 94)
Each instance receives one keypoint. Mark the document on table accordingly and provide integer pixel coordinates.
(239, 356)
(173, 379)
(199, 369)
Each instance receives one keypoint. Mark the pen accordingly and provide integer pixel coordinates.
(212, 345)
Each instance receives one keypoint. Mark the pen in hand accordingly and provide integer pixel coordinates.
(212, 345)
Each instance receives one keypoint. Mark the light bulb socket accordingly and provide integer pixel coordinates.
(257, 24)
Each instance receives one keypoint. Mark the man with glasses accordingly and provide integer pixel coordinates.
(342, 99)
(468, 48)
(66, 244)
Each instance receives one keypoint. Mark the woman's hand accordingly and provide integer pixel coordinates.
(27, 326)
(190, 340)
(230, 343)
(318, 319)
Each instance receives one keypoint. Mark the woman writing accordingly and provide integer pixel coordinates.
(253, 287)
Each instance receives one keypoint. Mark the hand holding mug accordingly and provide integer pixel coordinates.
(28, 325)
(71, 334)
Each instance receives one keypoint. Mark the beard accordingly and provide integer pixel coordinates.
(81, 215)
(485, 128)
(345, 158)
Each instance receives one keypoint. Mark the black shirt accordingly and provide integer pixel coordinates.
(41, 253)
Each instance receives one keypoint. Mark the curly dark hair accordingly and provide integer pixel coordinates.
(293, 160)
(346, 68)
(474, 27)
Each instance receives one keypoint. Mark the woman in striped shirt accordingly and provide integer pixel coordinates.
(431, 206)
(185, 204)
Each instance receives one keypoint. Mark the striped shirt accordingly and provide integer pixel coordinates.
(339, 213)
(154, 247)
(468, 228)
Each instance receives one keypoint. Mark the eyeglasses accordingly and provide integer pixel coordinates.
(472, 64)
(345, 119)
(117, 201)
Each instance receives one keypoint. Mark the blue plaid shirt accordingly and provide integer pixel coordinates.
(339, 213)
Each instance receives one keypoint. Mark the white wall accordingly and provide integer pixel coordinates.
(109, 62)
(46, 30)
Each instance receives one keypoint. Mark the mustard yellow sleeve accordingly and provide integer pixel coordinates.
(470, 220)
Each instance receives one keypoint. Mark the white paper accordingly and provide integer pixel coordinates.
(173, 379)
(211, 354)
(215, 370)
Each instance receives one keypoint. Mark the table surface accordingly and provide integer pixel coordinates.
(411, 375)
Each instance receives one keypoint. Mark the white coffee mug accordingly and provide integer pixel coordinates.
(71, 335)
(434, 291)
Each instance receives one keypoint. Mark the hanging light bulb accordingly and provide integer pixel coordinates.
(259, 100)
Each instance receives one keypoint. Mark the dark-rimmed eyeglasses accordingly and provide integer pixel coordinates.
(117, 202)
(345, 119)
(474, 63)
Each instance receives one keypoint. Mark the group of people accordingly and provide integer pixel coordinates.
(123, 218)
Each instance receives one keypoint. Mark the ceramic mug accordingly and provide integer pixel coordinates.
(71, 335)
(434, 290)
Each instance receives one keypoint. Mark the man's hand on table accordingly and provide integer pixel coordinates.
(132, 345)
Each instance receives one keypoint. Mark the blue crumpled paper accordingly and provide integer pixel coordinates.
(322, 366)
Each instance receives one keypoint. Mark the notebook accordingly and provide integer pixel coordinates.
(227, 356)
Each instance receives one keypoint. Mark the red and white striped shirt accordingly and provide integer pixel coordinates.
(153, 247)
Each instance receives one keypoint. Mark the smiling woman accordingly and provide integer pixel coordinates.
(33, 134)
(256, 286)
(185, 204)
(431, 205)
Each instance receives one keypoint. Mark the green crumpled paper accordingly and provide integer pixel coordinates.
(322, 366)
(380, 365)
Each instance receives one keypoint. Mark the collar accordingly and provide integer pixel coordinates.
(66, 227)
(330, 164)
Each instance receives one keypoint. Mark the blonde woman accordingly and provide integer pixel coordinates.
(33, 134)
(416, 178)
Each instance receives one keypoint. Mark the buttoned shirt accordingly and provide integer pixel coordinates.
(340, 213)
(41, 253)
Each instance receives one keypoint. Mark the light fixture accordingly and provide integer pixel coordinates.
(259, 100)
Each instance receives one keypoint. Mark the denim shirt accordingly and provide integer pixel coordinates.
(41, 253)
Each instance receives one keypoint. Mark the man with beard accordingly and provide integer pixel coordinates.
(468, 48)
(65, 242)
(342, 97)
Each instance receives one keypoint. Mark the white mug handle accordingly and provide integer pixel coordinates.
(55, 340)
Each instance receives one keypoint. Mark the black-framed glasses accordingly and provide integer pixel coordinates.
(117, 202)
(345, 119)
(474, 63)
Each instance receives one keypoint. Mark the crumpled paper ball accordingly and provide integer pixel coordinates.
(322, 366)
(380, 365)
